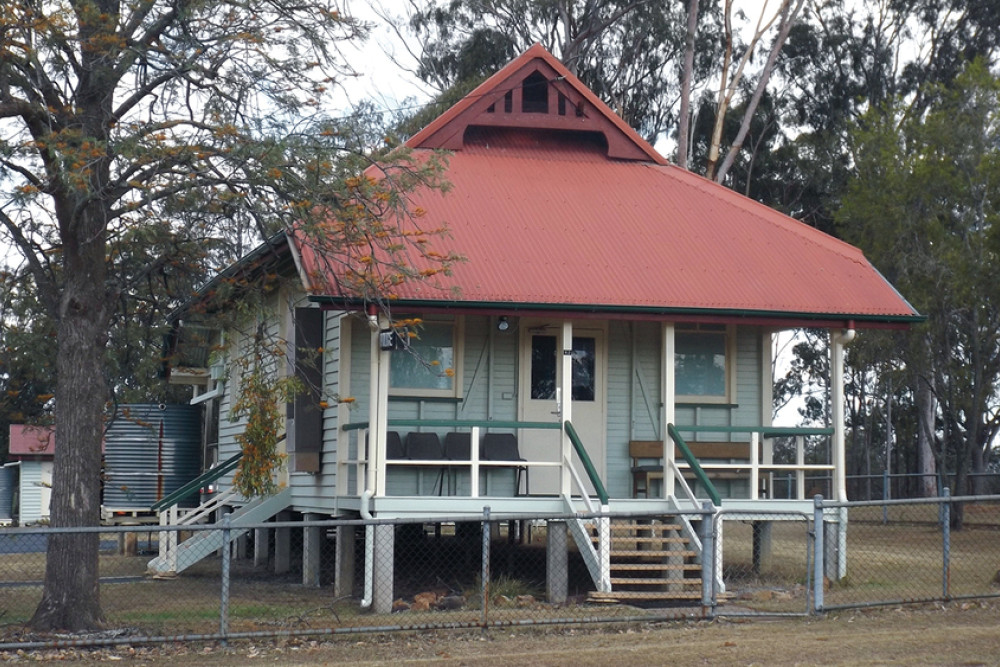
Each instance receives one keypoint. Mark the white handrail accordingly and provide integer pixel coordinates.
(678, 476)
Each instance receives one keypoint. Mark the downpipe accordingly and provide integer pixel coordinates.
(366, 601)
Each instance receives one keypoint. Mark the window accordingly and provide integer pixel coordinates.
(535, 94)
(544, 366)
(430, 364)
(703, 363)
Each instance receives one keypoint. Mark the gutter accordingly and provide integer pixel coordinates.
(724, 315)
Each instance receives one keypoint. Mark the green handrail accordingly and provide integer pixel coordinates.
(699, 472)
(587, 464)
(204, 479)
(765, 431)
(456, 423)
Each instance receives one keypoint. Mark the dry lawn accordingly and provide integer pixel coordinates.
(958, 634)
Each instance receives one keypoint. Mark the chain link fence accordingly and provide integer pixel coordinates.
(312, 578)
(908, 551)
(766, 563)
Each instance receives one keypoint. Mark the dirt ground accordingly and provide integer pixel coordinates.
(956, 634)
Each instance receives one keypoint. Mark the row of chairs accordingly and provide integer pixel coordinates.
(456, 446)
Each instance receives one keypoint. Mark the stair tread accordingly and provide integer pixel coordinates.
(649, 540)
(656, 581)
(645, 595)
(653, 554)
(655, 567)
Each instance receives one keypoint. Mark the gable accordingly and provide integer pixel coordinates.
(535, 92)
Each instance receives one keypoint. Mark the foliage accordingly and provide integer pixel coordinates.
(144, 145)
(27, 352)
(924, 206)
(260, 395)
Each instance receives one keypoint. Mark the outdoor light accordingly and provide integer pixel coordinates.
(503, 324)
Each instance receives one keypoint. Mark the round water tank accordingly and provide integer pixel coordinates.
(8, 484)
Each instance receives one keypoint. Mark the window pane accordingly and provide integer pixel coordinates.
(415, 368)
(700, 364)
(584, 375)
(543, 367)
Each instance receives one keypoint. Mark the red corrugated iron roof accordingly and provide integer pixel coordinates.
(28, 440)
(547, 218)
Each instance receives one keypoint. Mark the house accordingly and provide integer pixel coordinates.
(610, 303)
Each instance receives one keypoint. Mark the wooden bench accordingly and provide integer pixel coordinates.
(647, 460)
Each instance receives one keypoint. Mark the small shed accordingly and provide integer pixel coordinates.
(34, 448)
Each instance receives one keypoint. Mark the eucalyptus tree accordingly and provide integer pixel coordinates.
(925, 206)
(147, 140)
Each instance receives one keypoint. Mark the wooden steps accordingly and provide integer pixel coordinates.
(651, 561)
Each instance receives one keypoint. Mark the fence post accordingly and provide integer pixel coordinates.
(708, 600)
(946, 542)
(224, 602)
(885, 496)
(819, 555)
(485, 574)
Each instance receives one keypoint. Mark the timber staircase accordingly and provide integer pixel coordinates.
(176, 558)
(652, 560)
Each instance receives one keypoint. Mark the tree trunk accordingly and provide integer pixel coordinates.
(684, 124)
(978, 468)
(925, 439)
(71, 596)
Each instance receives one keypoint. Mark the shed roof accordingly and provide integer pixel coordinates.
(557, 204)
(29, 440)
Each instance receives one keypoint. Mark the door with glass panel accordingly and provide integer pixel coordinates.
(540, 371)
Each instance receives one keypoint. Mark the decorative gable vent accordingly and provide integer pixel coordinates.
(535, 92)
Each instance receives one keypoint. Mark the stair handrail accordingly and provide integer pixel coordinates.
(696, 468)
(587, 464)
(204, 479)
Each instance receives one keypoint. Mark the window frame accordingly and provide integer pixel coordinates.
(729, 332)
(457, 336)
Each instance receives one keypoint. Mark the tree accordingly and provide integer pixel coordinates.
(143, 141)
(782, 20)
(27, 373)
(925, 205)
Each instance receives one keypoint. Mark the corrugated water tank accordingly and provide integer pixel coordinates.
(151, 451)
(8, 484)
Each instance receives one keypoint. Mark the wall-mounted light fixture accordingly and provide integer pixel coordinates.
(503, 324)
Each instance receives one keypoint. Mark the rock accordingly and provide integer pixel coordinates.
(451, 602)
(427, 598)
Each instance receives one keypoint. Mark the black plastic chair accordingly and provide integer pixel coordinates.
(426, 447)
(503, 447)
(457, 447)
(394, 446)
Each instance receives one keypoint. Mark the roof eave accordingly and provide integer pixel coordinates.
(744, 315)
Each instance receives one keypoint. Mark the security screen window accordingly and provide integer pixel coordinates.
(545, 367)
(702, 363)
(429, 364)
